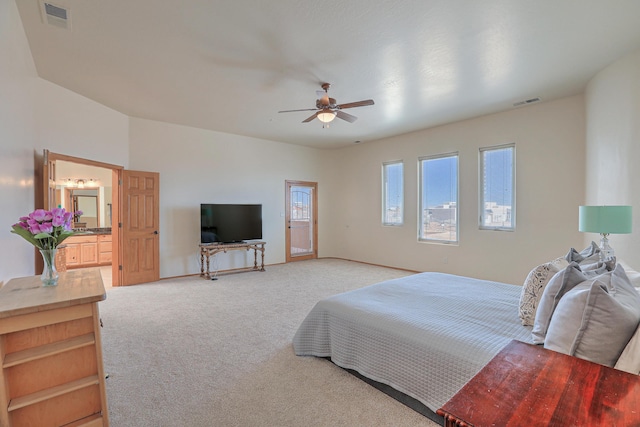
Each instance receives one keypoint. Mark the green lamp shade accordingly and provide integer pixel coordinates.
(605, 219)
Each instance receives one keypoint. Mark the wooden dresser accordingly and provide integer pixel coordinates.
(527, 385)
(52, 372)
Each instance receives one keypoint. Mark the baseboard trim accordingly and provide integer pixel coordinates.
(371, 263)
(250, 269)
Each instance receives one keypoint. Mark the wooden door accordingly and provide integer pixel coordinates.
(140, 240)
(49, 183)
(301, 232)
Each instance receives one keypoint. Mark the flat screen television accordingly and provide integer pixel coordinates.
(227, 223)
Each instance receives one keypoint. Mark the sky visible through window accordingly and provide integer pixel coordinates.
(394, 176)
(439, 197)
(438, 175)
(498, 169)
(441, 179)
(498, 187)
(497, 201)
(393, 193)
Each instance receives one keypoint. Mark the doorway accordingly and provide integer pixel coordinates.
(133, 215)
(301, 220)
(72, 182)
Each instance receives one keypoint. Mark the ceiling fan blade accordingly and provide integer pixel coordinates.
(311, 118)
(346, 116)
(356, 104)
(292, 111)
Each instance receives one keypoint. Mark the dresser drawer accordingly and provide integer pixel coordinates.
(104, 249)
(89, 238)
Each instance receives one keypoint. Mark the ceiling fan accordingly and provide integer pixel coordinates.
(328, 109)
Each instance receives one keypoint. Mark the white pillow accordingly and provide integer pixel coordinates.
(598, 267)
(561, 283)
(634, 276)
(596, 319)
(588, 255)
(629, 360)
(533, 287)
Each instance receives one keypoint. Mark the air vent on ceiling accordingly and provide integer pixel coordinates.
(55, 15)
(527, 101)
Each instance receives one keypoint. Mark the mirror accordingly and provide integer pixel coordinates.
(86, 201)
(94, 200)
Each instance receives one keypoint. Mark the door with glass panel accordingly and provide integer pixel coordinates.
(301, 220)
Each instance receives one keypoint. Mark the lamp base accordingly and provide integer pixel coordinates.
(606, 251)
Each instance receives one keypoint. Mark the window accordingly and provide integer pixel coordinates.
(497, 188)
(439, 198)
(392, 193)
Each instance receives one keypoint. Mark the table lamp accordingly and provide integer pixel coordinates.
(605, 220)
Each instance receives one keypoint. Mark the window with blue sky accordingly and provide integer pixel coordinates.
(393, 193)
(439, 198)
(497, 188)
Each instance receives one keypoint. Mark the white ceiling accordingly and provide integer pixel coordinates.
(230, 66)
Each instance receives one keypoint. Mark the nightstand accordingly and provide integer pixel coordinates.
(527, 385)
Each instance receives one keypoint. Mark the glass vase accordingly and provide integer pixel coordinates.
(49, 275)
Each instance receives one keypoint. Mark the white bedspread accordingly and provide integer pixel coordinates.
(426, 335)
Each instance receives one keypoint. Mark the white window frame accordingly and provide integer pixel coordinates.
(385, 195)
(481, 192)
(421, 190)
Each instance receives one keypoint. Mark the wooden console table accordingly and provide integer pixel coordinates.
(527, 385)
(52, 372)
(209, 249)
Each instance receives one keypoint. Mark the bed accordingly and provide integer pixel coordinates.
(424, 335)
(399, 332)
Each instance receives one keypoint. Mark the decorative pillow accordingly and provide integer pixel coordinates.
(598, 267)
(633, 275)
(562, 282)
(596, 319)
(588, 255)
(592, 270)
(533, 287)
(629, 360)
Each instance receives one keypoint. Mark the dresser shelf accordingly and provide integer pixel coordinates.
(50, 393)
(35, 353)
(91, 421)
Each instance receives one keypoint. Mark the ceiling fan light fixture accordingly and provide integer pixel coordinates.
(326, 115)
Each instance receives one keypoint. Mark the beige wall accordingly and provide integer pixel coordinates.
(71, 124)
(199, 166)
(17, 135)
(549, 141)
(36, 114)
(613, 147)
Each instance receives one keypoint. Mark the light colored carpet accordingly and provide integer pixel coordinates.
(193, 352)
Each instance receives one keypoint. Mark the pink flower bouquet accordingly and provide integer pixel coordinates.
(45, 229)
